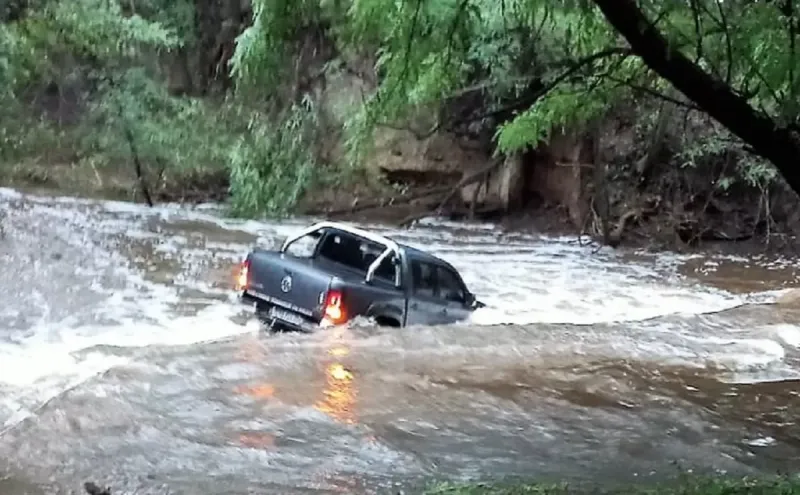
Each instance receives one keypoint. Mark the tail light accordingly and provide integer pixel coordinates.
(242, 276)
(334, 308)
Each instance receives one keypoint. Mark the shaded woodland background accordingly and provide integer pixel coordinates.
(622, 119)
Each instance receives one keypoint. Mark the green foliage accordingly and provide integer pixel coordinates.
(117, 51)
(555, 66)
(434, 51)
(100, 31)
(30, 136)
(177, 16)
(18, 59)
(273, 164)
(429, 50)
(7, 70)
(167, 132)
(129, 115)
(264, 49)
(687, 485)
(715, 145)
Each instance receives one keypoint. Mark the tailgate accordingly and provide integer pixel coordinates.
(293, 283)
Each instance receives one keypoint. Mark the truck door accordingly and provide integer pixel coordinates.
(451, 294)
(424, 307)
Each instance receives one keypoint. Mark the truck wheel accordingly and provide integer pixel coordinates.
(386, 321)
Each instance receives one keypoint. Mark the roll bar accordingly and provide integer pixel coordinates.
(390, 246)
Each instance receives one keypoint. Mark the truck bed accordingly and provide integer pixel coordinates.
(302, 306)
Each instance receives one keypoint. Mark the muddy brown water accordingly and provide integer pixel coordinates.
(124, 361)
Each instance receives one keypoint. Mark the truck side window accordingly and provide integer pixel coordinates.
(305, 246)
(387, 270)
(423, 278)
(449, 287)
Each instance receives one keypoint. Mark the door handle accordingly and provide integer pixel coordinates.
(444, 311)
(414, 306)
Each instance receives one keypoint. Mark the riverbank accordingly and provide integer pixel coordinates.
(369, 201)
(688, 485)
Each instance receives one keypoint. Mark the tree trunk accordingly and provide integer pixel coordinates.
(778, 144)
(208, 22)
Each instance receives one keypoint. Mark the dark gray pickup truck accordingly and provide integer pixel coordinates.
(330, 273)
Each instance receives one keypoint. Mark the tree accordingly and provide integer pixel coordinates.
(119, 55)
(537, 66)
(772, 130)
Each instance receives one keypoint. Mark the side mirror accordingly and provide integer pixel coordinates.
(472, 301)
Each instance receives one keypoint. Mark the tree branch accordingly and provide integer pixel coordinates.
(573, 67)
(698, 31)
(570, 66)
(776, 144)
(722, 23)
(655, 94)
(792, 27)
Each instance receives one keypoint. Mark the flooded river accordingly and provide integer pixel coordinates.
(123, 360)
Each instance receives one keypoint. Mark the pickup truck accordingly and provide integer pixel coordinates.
(330, 273)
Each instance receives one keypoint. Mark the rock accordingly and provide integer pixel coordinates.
(791, 298)
(92, 489)
(504, 189)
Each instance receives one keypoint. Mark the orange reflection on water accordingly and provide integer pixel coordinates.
(252, 351)
(340, 391)
(258, 391)
(256, 439)
(339, 394)
(339, 373)
(339, 351)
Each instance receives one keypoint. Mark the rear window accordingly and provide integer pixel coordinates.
(356, 253)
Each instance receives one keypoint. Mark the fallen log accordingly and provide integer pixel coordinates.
(407, 221)
(467, 180)
(382, 203)
(449, 193)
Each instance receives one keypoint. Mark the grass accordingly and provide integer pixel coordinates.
(686, 485)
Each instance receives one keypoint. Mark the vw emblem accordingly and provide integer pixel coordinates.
(286, 283)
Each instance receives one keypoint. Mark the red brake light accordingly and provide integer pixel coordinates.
(243, 276)
(334, 309)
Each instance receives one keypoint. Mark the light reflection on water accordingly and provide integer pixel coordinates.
(340, 392)
(339, 395)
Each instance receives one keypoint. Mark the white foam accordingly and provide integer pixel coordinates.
(761, 442)
(210, 323)
(748, 354)
(575, 302)
(41, 375)
(41, 368)
(53, 356)
(527, 280)
(788, 334)
(522, 278)
(33, 366)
